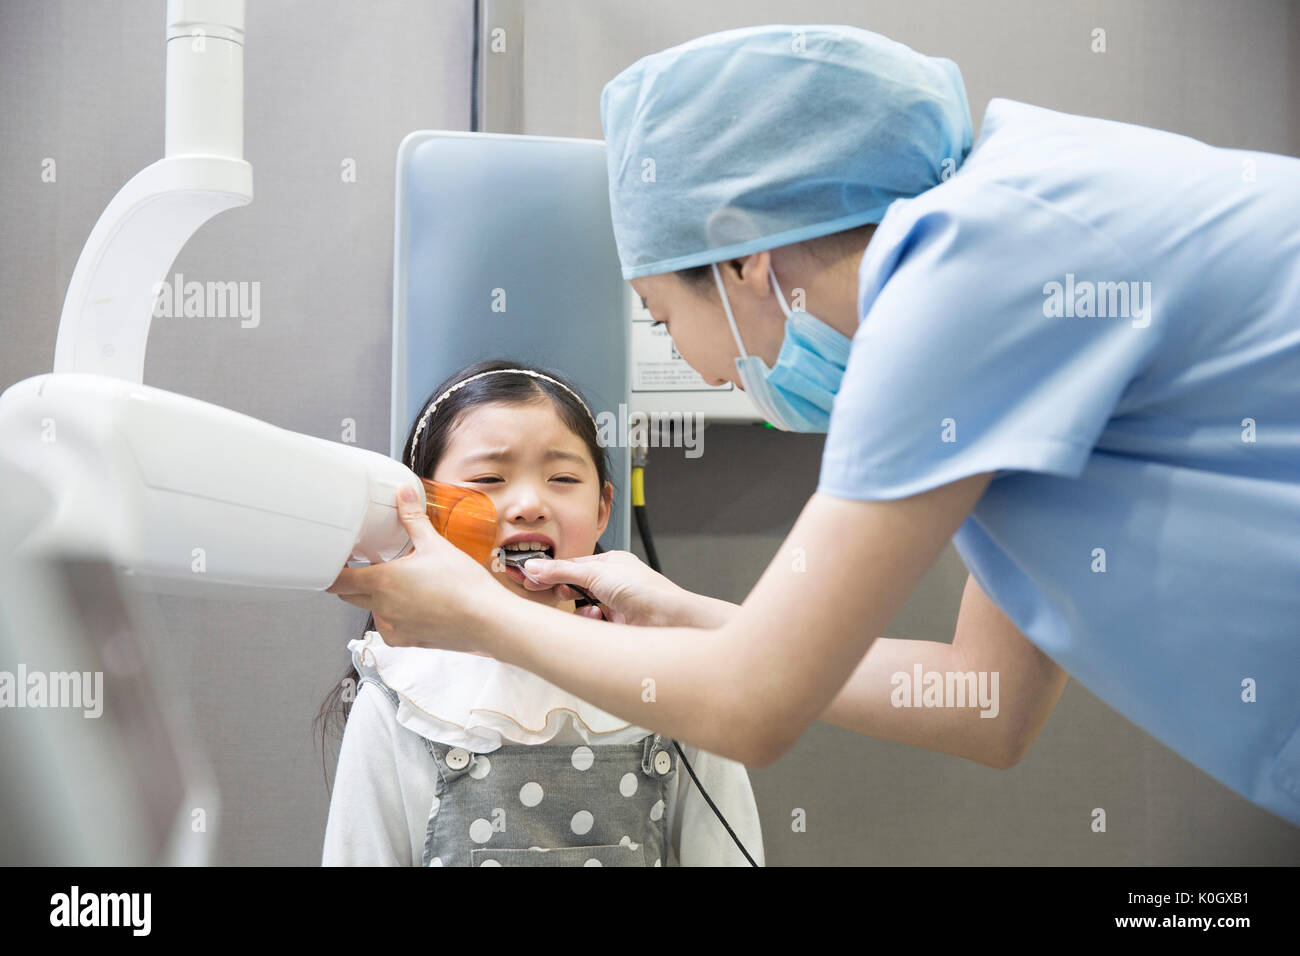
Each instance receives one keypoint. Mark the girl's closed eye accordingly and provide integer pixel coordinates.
(565, 478)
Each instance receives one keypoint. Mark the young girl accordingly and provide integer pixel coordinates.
(457, 759)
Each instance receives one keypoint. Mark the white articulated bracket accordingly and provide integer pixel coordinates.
(181, 496)
(106, 316)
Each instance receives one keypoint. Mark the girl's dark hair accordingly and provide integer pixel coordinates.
(509, 389)
(829, 249)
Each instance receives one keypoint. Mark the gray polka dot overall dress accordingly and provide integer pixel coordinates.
(549, 804)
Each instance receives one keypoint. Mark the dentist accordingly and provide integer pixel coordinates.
(1071, 347)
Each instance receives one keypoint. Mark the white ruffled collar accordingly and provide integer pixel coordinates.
(479, 703)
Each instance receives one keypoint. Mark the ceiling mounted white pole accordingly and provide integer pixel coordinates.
(110, 302)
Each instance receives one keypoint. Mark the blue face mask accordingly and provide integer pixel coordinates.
(796, 395)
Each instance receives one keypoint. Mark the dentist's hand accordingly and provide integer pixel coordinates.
(628, 590)
(422, 599)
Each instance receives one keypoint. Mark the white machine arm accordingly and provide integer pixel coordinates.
(110, 301)
(180, 494)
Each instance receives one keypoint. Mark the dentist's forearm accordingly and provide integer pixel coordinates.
(669, 680)
(698, 610)
(864, 704)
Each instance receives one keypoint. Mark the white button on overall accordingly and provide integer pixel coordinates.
(457, 758)
(663, 762)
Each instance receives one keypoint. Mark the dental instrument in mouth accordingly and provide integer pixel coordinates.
(517, 559)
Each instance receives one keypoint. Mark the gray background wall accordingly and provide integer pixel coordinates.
(325, 81)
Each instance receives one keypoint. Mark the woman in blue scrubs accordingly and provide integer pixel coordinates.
(1072, 347)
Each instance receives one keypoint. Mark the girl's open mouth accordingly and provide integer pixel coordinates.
(513, 561)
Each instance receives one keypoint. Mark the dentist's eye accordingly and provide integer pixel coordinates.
(655, 324)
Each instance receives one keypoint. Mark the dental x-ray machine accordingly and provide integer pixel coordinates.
(103, 477)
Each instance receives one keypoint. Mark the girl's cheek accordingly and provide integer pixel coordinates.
(576, 529)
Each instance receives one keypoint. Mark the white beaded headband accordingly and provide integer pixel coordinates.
(463, 382)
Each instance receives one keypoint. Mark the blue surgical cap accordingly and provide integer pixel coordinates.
(759, 137)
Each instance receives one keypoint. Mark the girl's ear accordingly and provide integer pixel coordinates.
(606, 507)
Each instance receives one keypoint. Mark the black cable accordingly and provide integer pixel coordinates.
(652, 559)
(643, 528)
(704, 793)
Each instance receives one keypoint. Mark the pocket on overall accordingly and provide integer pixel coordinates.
(611, 854)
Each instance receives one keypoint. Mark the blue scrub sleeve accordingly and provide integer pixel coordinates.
(968, 359)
